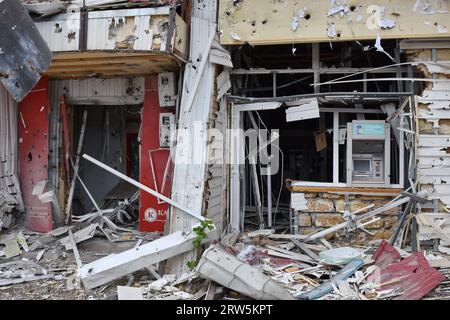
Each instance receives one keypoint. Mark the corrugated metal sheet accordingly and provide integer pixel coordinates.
(137, 29)
(111, 91)
(412, 275)
(61, 32)
(433, 153)
(10, 195)
(24, 53)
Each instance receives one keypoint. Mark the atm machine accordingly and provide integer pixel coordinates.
(368, 153)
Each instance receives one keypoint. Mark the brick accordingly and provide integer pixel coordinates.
(373, 198)
(320, 205)
(376, 224)
(382, 234)
(356, 205)
(331, 196)
(310, 195)
(308, 230)
(339, 205)
(304, 220)
(390, 222)
(328, 219)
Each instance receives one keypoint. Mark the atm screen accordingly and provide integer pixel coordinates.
(362, 165)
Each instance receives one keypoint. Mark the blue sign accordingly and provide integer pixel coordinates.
(368, 129)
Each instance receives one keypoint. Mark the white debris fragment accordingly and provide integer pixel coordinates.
(158, 284)
(442, 6)
(40, 254)
(294, 23)
(182, 295)
(129, 293)
(235, 36)
(441, 29)
(331, 31)
(385, 23)
(427, 8)
(416, 5)
(342, 9)
(301, 13)
(380, 48)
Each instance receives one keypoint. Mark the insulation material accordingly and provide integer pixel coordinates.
(10, 195)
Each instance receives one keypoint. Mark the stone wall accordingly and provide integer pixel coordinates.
(326, 210)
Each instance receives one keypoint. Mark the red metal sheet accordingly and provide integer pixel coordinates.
(33, 152)
(412, 275)
(152, 214)
(385, 255)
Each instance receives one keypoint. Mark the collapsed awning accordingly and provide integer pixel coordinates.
(24, 55)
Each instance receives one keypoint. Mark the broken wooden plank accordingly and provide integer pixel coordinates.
(75, 249)
(290, 254)
(305, 249)
(374, 191)
(199, 70)
(79, 236)
(76, 167)
(210, 294)
(115, 266)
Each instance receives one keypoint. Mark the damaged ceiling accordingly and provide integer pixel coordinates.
(290, 21)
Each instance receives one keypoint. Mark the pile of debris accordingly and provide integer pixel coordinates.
(318, 271)
(259, 265)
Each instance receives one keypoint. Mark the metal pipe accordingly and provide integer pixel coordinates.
(143, 187)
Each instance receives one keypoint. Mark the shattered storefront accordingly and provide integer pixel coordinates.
(311, 141)
(99, 98)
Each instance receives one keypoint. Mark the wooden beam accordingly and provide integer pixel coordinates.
(378, 191)
(115, 266)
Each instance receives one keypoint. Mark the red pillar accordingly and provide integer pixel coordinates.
(152, 214)
(33, 156)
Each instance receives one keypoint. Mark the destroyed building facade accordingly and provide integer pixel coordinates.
(313, 121)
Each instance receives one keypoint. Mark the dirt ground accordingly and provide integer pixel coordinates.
(61, 263)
